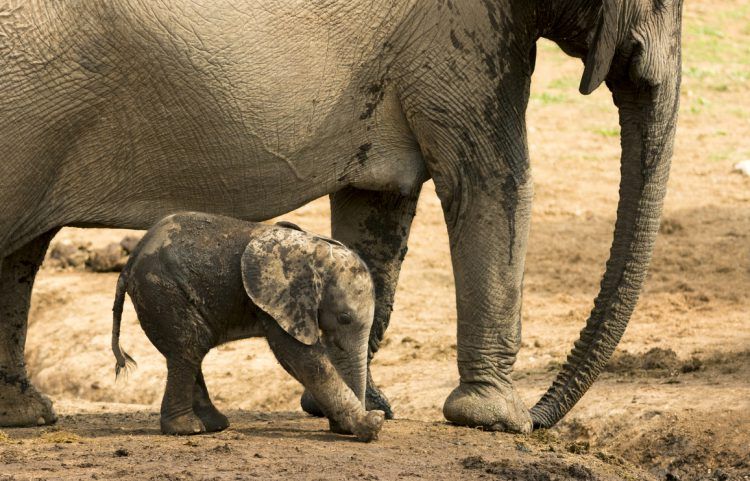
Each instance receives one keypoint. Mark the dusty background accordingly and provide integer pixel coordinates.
(674, 404)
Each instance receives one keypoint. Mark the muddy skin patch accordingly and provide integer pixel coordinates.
(455, 41)
(375, 93)
(286, 286)
(492, 14)
(362, 153)
(504, 108)
(377, 249)
(510, 203)
(14, 380)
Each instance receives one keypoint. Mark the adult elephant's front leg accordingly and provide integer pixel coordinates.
(20, 403)
(488, 221)
(376, 225)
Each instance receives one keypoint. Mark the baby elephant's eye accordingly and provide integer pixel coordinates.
(345, 318)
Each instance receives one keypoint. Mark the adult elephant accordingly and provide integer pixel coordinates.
(115, 113)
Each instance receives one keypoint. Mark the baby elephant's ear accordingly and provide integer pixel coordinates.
(289, 225)
(279, 276)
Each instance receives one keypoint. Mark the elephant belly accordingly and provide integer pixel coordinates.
(235, 333)
(246, 115)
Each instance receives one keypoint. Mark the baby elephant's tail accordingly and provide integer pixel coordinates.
(124, 361)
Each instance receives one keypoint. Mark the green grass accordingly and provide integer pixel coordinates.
(700, 104)
(705, 31)
(564, 83)
(714, 38)
(608, 131)
(547, 46)
(740, 113)
(697, 73)
(546, 98)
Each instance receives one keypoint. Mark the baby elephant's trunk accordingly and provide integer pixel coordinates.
(124, 361)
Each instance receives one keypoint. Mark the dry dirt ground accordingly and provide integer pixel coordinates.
(674, 404)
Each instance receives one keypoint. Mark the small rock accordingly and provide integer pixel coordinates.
(473, 462)
(122, 453)
(66, 254)
(107, 259)
(721, 475)
(222, 449)
(578, 447)
(128, 243)
(692, 365)
(742, 167)
(522, 448)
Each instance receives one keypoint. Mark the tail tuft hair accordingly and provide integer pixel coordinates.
(124, 362)
(124, 365)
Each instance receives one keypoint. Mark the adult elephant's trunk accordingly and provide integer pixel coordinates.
(647, 117)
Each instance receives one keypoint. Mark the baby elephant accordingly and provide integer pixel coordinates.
(199, 280)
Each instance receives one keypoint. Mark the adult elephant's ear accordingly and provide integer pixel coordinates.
(603, 46)
(279, 276)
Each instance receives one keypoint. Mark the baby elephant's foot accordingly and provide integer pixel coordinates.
(212, 418)
(365, 427)
(368, 428)
(184, 424)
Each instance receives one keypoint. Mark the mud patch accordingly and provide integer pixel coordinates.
(57, 436)
(698, 451)
(657, 362)
(547, 470)
(690, 446)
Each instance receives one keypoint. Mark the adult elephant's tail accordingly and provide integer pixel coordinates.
(648, 108)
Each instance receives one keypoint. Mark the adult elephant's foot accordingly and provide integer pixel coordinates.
(308, 404)
(21, 405)
(488, 407)
(376, 400)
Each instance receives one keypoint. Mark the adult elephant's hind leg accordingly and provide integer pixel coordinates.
(375, 225)
(20, 403)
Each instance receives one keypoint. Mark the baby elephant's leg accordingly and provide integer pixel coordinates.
(211, 417)
(177, 415)
(310, 366)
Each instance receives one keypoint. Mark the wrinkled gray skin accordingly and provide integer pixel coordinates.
(199, 280)
(116, 113)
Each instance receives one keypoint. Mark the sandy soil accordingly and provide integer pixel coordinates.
(675, 403)
(111, 441)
